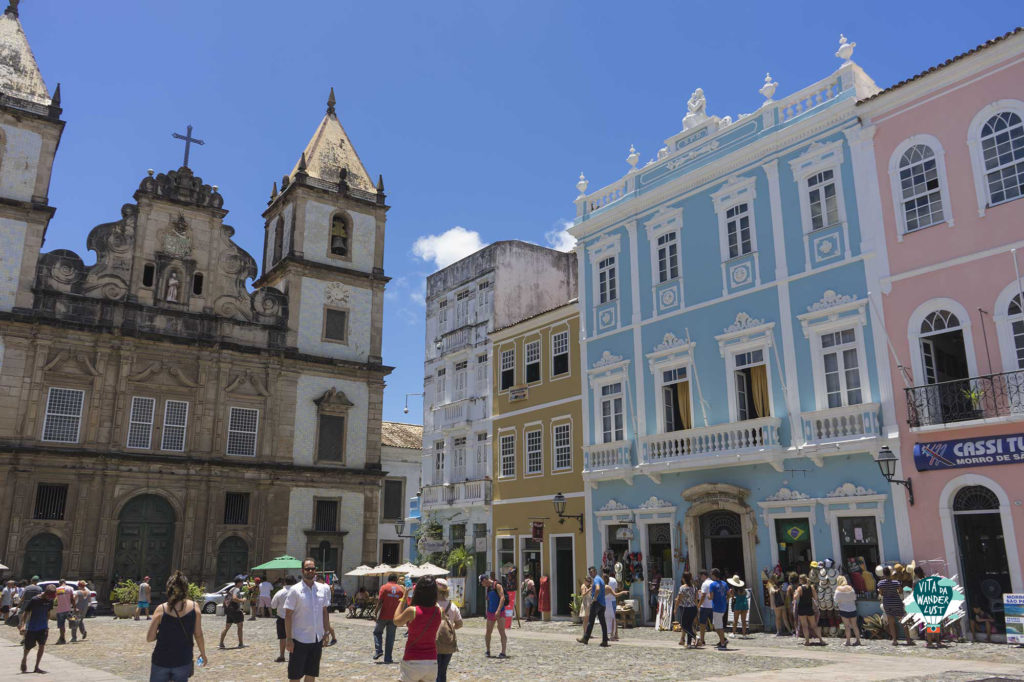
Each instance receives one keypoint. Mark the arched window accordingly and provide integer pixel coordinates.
(1015, 313)
(340, 236)
(975, 498)
(939, 322)
(919, 187)
(278, 240)
(1002, 147)
(943, 353)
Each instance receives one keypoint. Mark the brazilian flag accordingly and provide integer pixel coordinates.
(795, 531)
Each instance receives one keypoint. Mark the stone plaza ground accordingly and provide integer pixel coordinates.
(117, 650)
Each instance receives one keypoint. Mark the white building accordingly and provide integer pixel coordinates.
(495, 286)
(400, 453)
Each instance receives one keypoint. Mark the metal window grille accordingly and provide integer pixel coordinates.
(325, 518)
(51, 501)
(534, 453)
(330, 445)
(242, 425)
(63, 415)
(175, 425)
(140, 423)
(236, 508)
(508, 456)
(563, 446)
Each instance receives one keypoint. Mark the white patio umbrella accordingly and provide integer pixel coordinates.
(429, 569)
(360, 570)
(380, 569)
(405, 568)
(4, 568)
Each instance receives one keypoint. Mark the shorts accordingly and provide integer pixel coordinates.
(281, 634)
(265, 602)
(179, 673)
(531, 601)
(718, 620)
(143, 604)
(847, 614)
(33, 637)
(418, 671)
(898, 614)
(235, 616)
(704, 616)
(63, 617)
(492, 616)
(304, 660)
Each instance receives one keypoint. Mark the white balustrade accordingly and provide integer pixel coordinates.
(602, 456)
(462, 493)
(735, 437)
(841, 423)
(808, 98)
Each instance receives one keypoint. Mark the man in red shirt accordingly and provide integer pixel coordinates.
(387, 601)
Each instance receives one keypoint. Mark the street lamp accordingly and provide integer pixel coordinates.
(400, 528)
(405, 410)
(559, 502)
(887, 465)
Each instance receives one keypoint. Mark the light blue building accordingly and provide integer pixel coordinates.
(736, 385)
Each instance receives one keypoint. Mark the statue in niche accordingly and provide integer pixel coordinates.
(172, 288)
(696, 110)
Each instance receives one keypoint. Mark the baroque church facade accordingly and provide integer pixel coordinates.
(156, 413)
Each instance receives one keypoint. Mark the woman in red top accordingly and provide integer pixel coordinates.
(423, 615)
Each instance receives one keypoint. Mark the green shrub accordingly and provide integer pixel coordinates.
(125, 592)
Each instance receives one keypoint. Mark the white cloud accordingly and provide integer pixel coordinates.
(559, 238)
(446, 248)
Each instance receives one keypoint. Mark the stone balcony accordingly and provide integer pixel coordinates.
(608, 458)
(458, 413)
(838, 424)
(742, 442)
(462, 494)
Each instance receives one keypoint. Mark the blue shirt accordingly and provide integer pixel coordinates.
(599, 590)
(719, 592)
(38, 614)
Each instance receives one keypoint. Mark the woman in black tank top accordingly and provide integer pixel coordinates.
(805, 596)
(174, 626)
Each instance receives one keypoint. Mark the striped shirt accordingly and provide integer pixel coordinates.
(892, 594)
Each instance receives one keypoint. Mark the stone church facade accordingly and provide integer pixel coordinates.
(154, 412)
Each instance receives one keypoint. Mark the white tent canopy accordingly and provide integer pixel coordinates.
(429, 569)
(360, 570)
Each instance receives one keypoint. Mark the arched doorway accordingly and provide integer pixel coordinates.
(722, 541)
(232, 559)
(44, 556)
(945, 368)
(985, 573)
(145, 541)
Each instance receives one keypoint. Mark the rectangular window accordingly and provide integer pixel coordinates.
(140, 423)
(532, 361)
(439, 386)
(611, 413)
(858, 537)
(392, 506)
(482, 452)
(175, 425)
(508, 369)
(442, 314)
(459, 459)
(63, 415)
(751, 382)
(438, 462)
(507, 449)
(330, 439)
(668, 257)
(242, 425)
(335, 325)
(481, 372)
(457, 534)
(737, 229)
(390, 553)
(607, 286)
(563, 447)
(534, 452)
(460, 380)
(559, 353)
(462, 308)
(325, 516)
(821, 194)
(842, 369)
(51, 501)
(675, 388)
(236, 509)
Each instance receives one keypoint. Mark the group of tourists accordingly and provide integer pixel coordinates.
(27, 605)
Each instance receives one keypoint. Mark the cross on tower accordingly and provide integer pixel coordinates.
(188, 141)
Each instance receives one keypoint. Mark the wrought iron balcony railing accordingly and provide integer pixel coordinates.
(982, 397)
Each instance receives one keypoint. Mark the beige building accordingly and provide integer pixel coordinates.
(538, 440)
(154, 412)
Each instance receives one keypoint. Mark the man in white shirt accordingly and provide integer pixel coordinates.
(305, 622)
(266, 589)
(277, 604)
(705, 610)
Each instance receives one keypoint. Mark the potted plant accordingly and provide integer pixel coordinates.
(575, 602)
(459, 561)
(973, 396)
(125, 597)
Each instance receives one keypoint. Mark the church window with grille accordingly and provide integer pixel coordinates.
(197, 284)
(330, 442)
(140, 423)
(175, 425)
(278, 240)
(325, 516)
(340, 234)
(148, 274)
(236, 509)
(242, 426)
(63, 418)
(51, 501)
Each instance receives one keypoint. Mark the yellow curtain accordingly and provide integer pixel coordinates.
(759, 390)
(683, 403)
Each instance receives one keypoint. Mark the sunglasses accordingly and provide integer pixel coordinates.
(309, 568)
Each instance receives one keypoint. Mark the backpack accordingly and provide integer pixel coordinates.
(447, 642)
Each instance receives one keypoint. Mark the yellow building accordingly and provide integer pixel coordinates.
(538, 451)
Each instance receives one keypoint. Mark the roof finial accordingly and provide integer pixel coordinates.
(302, 163)
(55, 100)
(12, 8)
(845, 49)
(273, 192)
(380, 184)
(330, 103)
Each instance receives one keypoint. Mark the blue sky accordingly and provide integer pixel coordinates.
(479, 115)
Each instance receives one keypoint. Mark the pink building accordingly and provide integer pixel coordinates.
(949, 157)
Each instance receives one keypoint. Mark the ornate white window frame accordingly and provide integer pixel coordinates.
(974, 145)
(742, 336)
(606, 246)
(1004, 325)
(798, 506)
(895, 186)
(736, 190)
(819, 157)
(671, 353)
(665, 221)
(914, 334)
(553, 331)
(609, 369)
(835, 312)
(876, 510)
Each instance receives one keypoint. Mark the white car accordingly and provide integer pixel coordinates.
(213, 602)
(73, 584)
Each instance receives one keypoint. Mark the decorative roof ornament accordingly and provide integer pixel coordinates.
(581, 186)
(845, 49)
(380, 183)
(851, 490)
(768, 89)
(12, 8)
(830, 300)
(743, 321)
(670, 340)
(614, 505)
(696, 110)
(330, 103)
(302, 163)
(654, 503)
(273, 192)
(632, 159)
(787, 494)
(606, 359)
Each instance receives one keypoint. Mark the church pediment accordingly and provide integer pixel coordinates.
(247, 382)
(333, 398)
(160, 372)
(71, 363)
(181, 186)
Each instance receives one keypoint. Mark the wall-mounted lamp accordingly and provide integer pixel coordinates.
(887, 465)
(559, 502)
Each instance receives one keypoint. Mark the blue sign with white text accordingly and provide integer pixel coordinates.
(974, 452)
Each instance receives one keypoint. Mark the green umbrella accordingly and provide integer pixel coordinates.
(280, 563)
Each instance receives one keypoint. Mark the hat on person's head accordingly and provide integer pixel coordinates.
(442, 584)
(735, 581)
(239, 578)
(814, 564)
(879, 570)
(146, 579)
(483, 577)
(256, 580)
(35, 578)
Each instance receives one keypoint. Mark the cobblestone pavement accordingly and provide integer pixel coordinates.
(542, 651)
